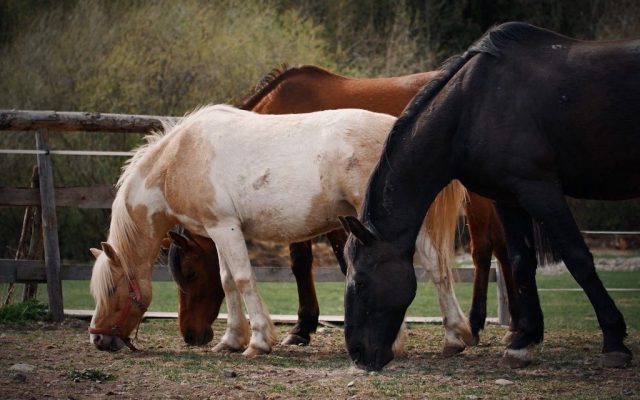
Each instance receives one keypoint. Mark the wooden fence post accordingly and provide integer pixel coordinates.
(503, 301)
(35, 243)
(49, 227)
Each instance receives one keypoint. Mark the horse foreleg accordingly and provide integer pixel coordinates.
(530, 325)
(308, 309)
(232, 252)
(457, 330)
(236, 336)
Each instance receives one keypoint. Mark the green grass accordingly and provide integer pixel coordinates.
(561, 309)
(27, 311)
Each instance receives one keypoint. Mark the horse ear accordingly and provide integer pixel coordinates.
(357, 229)
(180, 240)
(110, 252)
(96, 252)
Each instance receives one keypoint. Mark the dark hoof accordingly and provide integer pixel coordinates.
(616, 359)
(475, 341)
(516, 358)
(295, 340)
(450, 351)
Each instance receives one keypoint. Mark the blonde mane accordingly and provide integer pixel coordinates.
(123, 230)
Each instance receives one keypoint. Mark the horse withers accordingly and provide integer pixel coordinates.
(210, 174)
(525, 116)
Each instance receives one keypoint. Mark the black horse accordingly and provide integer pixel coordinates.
(525, 116)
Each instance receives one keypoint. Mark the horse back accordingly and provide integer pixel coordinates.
(284, 176)
(556, 108)
(313, 89)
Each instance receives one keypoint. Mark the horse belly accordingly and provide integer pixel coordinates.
(293, 223)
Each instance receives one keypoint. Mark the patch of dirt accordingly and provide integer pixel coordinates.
(61, 364)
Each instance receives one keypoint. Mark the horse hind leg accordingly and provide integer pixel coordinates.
(233, 255)
(554, 215)
(501, 253)
(487, 238)
(308, 309)
(457, 329)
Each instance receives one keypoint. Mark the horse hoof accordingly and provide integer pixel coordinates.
(508, 338)
(616, 359)
(295, 340)
(450, 351)
(224, 348)
(468, 338)
(475, 341)
(252, 352)
(516, 358)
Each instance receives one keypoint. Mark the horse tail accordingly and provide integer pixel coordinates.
(442, 222)
(546, 252)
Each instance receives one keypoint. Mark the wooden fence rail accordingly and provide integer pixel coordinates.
(52, 271)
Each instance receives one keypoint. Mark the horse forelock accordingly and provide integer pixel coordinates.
(101, 283)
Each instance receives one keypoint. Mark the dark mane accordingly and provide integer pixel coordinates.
(272, 79)
(493, 43)
(509, 34)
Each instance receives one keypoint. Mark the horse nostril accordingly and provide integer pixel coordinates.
(97, 339)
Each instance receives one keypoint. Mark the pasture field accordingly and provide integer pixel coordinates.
(58, 362)
(562, 309)
(62, 364)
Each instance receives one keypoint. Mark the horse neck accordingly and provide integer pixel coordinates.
(409, 175)
(135, 236)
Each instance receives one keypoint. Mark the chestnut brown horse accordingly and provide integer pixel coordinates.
(310, 88)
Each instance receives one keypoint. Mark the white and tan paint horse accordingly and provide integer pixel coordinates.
(233, 175)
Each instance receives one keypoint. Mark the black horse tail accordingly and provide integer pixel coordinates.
(546, 253)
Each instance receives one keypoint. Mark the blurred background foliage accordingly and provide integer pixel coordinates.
(166, 57)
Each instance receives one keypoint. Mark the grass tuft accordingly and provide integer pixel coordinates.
(90, 374)
(27, 311)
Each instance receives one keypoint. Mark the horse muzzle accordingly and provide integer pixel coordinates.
(370, 360)
(107, 343)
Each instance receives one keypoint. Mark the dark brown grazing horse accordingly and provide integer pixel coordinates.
(309, 88)
(524, 116)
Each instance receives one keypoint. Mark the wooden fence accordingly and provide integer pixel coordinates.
(48, 197)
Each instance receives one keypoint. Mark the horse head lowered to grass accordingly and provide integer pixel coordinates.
(525, 116)
(210, 174)
(309, 88)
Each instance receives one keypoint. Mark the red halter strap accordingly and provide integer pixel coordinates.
(135, 297)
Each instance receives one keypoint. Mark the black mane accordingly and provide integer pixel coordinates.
(493, 42)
